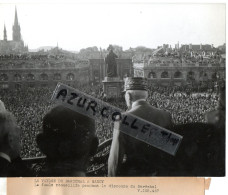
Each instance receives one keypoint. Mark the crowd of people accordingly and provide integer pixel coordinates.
(42, 61)
(29, 56)
(29, 105)
(185, 105)
(181, 60)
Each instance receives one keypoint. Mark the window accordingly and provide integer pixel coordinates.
(152, 75)
(44, 77)
(165, 74)
(70, 77)
(17, 77)
(177, 74)
(57, 76)
(4, 77)
(30, 77)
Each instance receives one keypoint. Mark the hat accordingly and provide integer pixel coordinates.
(135, 83)
(65, 129)
(63, 121)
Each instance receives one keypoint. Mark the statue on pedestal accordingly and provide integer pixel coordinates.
(110, 60)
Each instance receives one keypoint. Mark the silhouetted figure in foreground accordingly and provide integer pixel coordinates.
(130, 156)
(11, 164)
(68, 140)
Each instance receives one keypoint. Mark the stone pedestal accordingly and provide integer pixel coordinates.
(112, 87)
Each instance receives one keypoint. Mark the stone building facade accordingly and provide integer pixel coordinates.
(32, 71)
(175, 71)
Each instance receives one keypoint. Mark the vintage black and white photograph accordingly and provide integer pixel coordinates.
(112, 89)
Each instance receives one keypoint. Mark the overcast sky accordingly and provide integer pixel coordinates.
(81, 25)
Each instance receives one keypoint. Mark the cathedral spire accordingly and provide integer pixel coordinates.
(5, 33)
(16, 28)
(15, 18)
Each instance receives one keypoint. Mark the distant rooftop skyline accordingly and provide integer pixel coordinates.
(77, 26)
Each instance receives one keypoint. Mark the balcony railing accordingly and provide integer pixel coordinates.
(98, 164)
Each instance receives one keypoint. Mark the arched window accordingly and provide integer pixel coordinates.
(152, 75)
(177, 75)
(191, 75)
(17, 77)
(203, 74)
(165, 74)
(57, 76)
(43, 77)
(30, 77)
(70, 77)
(4, 77)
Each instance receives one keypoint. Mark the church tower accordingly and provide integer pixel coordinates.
(5, 33)
(16, 28)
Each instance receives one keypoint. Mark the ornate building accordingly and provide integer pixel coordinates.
(17, 44)
(170, 70)
(42, 70)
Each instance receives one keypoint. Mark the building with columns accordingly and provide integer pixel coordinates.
(169, 70)
(42, 72)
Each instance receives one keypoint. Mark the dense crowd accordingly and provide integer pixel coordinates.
(31, 104)
(42, 61)
(28, 56)
(29, 107)
(185, 105)
(184, 59)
